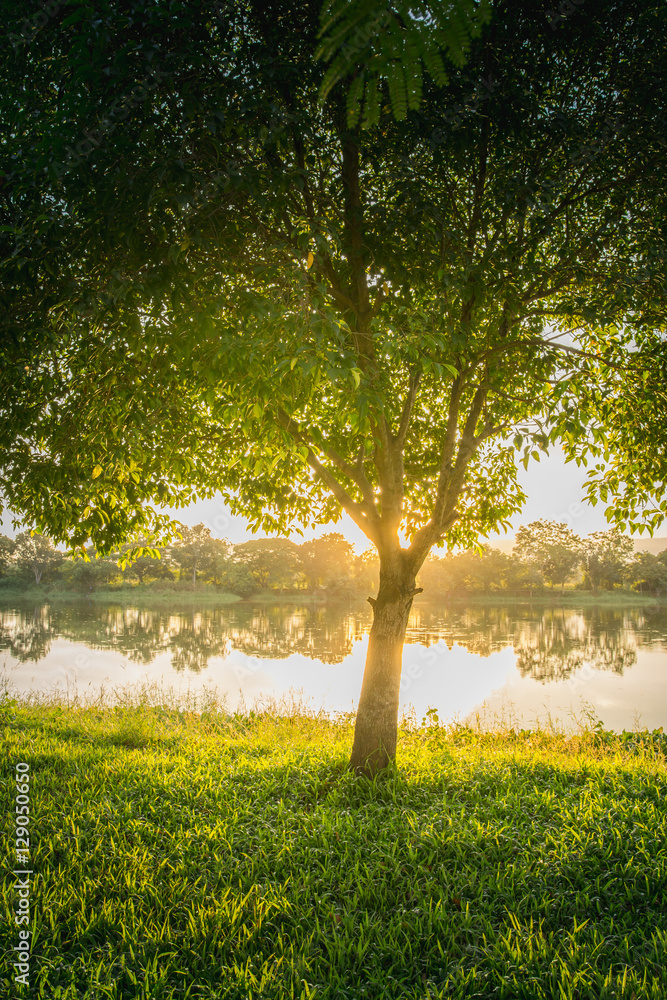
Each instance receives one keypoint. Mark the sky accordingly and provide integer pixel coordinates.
(554, 488)
(555, 491)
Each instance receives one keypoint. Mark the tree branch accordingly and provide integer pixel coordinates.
(440, 520)
(367, 510)
(478, 195)
(408, 406)
(370, 526)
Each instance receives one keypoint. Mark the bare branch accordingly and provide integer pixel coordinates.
(468, 436)
(451, 480)
(452, 423)
(441, 517)
(362, 479)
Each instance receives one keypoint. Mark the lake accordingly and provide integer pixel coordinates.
(516, 663)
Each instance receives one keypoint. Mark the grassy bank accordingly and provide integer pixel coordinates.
(546, 598)
(209, 597)
(137, 596)
(184, 855)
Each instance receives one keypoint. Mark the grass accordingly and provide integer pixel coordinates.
(300, 597)
(571, 598)
(182, 852)
(136, 596)
(149, 596)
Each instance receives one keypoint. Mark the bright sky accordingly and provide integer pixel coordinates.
(554, 490)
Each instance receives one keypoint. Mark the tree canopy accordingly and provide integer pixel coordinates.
(226, 287)
(551, 547)
(34, 553)
(227, 265)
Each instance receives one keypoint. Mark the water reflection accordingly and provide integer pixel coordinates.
(191, 638)
(549, 644)
(558, 647)
(27, 635)
(552, 644)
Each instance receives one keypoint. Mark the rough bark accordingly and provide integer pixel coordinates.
(376, 727)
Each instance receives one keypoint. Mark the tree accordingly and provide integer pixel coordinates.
(245, 287)
(35, 553)
(475, 571)
(86, 574)
(7, 546)
(649, 572)
(607, 555)
(552, 548)
(195, 552)
(272, 563)
(486, 571)
(435, 576)
(237, 579)
(148, 566)
(220, 564)
(522, 577)
(367, 570)
(328, 562)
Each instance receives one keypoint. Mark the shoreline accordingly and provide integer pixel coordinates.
(137, 597)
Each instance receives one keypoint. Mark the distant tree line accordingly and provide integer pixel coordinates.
(546, 555)
(327, 566)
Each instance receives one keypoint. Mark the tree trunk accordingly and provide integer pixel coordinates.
(376, 727)
(194, 576)
(38, 574)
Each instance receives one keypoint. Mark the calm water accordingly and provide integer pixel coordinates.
(512, 662)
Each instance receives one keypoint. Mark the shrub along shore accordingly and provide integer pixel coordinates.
(183, 852)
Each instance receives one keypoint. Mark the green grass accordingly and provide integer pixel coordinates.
(153, 596)
(136, 596)
(193, 854)
(570, 599)
(301, 597)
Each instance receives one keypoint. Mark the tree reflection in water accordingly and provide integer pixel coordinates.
(561, 644)
(549, 643)
(196, 640)
(26, 635)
